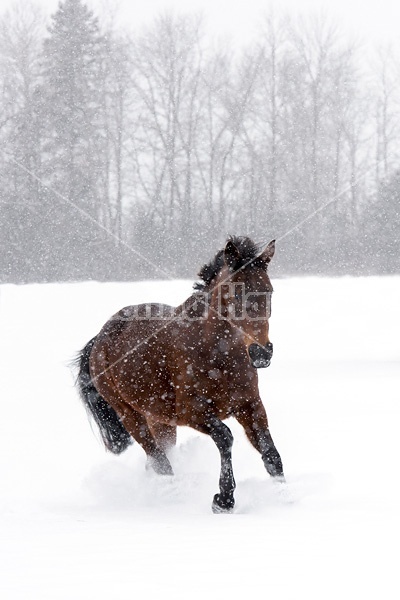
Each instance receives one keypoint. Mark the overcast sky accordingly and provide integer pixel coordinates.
(376, 20)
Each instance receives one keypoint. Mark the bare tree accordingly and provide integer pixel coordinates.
(167, 68)
(387, 86)
(116, 106)
(263, 127)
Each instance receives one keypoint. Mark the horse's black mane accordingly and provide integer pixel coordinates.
(247, 252)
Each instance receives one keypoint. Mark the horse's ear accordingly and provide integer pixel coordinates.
(231, 255)
(269, 252)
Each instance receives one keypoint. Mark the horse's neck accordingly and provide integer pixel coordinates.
(198, 309)
(194, 307)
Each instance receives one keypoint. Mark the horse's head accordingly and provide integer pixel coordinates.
(242, 293)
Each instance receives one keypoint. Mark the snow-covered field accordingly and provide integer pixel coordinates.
(78, 523)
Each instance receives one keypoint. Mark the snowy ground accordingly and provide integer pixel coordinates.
(78, 523)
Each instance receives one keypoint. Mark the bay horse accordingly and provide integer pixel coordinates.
(153, 367)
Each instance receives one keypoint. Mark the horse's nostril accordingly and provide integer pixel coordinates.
(260, 355)
(269, 348)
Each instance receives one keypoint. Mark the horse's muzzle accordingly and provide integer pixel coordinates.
(260, 356)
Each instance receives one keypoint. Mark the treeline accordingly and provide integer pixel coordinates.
(128, 156)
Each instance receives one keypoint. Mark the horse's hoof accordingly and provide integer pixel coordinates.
(273, 464)
(160, 465)
(276, 472)
(164, 470)
(222, 505)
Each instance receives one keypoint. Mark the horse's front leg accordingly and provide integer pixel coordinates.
(253, 418)
(223, 439)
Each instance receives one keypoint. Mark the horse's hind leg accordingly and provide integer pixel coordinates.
(136, 425)
(164, 435)
(139, 429)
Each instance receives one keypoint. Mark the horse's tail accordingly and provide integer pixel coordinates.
(115, 437)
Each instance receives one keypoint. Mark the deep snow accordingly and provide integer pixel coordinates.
(79, 523)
